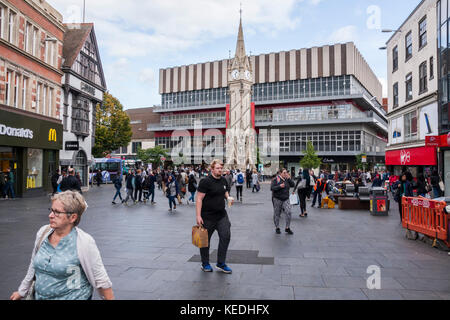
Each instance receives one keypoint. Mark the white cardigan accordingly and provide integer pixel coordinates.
(88, 254)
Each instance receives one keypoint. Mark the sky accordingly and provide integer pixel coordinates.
(138, 37)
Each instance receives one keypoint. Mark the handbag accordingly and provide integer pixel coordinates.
(294, 200)
(200, 237)
(31, 291)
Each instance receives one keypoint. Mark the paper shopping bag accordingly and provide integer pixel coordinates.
(293, 199)
(199, 237)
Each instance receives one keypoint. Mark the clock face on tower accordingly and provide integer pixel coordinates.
(248, 75)
(235, 74)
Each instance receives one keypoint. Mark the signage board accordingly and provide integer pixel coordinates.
(72, 146)
(19, 130)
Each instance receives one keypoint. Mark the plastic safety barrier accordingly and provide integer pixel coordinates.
(426, 217)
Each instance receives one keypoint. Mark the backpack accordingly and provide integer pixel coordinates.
(240, 178)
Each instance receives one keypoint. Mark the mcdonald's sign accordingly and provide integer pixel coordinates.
(52, 135)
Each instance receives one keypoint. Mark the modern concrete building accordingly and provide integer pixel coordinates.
(83, 85)
(413, 92)
(327, 95)
(31, 42)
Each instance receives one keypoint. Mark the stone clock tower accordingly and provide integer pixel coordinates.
(241, 139)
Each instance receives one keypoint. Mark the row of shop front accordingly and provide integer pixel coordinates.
(435, 155)
(29, 146)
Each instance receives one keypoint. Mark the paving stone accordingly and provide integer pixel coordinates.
(419, 295)
(146, 251)
(309, 293)
(299, 280)
(244, 292)
(383, 294)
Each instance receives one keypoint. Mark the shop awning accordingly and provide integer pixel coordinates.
(423, 156)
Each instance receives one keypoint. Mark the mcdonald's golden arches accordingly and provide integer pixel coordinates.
(52, 135)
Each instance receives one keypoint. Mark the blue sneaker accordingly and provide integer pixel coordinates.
(207, 268)
(224, 268)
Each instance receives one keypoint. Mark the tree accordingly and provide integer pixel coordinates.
(113, 128)
(359, 164)
(153, 155)
(310, 160)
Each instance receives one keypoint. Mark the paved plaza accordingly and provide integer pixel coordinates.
(148, 253)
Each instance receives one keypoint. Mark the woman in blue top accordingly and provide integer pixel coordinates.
(65, 262)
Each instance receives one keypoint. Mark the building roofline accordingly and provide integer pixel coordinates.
(404, 22)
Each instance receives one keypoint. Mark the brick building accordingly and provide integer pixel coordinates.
(141, 119)
(31, 42)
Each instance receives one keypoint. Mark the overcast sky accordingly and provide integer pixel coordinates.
(138, 37)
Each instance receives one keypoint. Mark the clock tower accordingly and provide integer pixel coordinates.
(241, 137)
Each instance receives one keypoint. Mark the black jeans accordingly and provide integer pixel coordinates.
(238, 192)
(223, 227)
(302, 193)
(136, 193)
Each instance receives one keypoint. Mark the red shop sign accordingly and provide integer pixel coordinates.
(424, 156)
(433, 141)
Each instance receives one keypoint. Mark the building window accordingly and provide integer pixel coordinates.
(410, 126)
(431, 68)
(135, 146)
(408, 86)
(422, 33)
(26, 46)
(395, 95)
(50, 102)
(80, 116)
(12, 19)
(395, 59)
(16, 91)
(408, 46)
(44, 100)
(2, 19)
(125, 150)
(38, 98)
(35, 42)
(34, 166)
(24, 92)
(8, 87)
(423, 78)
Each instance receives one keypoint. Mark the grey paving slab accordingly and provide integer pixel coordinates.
(419, 295)
(309, 293)
(299, 280)
(383, 294)
(243, 292)
(359, 282)
(146, 252)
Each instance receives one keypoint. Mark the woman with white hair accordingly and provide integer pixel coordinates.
(65, 262)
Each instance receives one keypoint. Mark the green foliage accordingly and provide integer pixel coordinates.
(152, 155)
(359, 163)
(310, 160)
(113, 128)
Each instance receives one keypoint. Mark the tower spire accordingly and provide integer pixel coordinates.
(240, 46)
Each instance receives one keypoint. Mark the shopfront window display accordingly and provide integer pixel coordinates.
(34, 173)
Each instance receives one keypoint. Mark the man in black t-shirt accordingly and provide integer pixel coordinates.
(211, 213)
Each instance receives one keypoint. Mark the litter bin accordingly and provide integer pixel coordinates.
(379, 202)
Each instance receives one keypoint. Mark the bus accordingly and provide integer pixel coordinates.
(109, 167)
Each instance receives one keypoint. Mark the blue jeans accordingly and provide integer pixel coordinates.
(192, 198)
(436, 192)
(9, 187)
(172, 200)
(151, 192)
(315, 198)
(117, 194)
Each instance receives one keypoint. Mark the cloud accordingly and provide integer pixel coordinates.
(344, 34)
(147, 76)
(136, 28)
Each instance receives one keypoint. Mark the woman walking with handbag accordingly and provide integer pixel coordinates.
(172, 191)
(65, 263)
(192, 187)
(302, 187)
